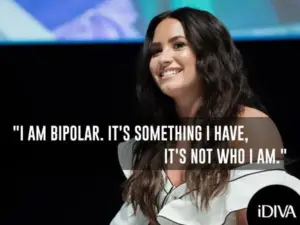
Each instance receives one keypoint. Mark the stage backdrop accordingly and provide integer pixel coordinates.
(127, 20)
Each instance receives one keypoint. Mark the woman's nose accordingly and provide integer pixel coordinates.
(165, 57)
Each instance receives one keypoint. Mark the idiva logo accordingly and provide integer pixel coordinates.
(274, 204)
(276, 211)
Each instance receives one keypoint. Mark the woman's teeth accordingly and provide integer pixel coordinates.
(170, 73)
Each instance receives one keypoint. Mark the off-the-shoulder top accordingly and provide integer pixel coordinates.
(178, 206)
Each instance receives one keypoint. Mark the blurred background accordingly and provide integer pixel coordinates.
(74, 62)
(127, 20)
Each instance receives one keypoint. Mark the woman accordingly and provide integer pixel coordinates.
(191, 69)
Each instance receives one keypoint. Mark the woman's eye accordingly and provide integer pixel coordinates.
(179, 45)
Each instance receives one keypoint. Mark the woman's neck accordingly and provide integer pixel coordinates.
(188, 106)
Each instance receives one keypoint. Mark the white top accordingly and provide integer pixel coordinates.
(177, 205)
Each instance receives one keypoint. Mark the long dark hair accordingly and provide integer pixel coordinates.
(220, 65)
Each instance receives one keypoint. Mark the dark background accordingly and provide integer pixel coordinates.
(79, 183)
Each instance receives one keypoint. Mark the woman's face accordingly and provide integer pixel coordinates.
(173, 63)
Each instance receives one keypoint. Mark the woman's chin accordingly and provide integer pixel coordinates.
(171, 90)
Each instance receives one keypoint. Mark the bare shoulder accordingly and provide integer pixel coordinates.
(257, 123)
(260, 130)
(248, 112)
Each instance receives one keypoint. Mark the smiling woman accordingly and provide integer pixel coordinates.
(190, 68)
(172, 57)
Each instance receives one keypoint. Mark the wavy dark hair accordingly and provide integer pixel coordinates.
(226, 90)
